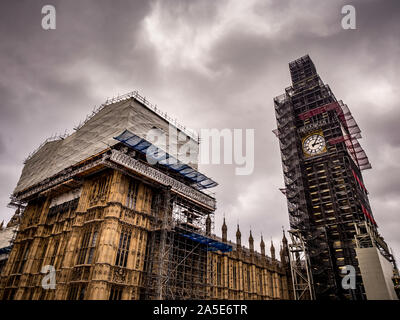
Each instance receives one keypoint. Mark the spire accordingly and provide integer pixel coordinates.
(262, 246)
(224, 232)
(238, 237)
(272, 251)
(284, 240)
(251, 242)
(284, 253)
(208, 225)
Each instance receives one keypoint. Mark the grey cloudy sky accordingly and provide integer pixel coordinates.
(210, 64)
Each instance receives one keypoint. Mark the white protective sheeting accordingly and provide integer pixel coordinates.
(377, 273)
(96, 135)
(6, 235)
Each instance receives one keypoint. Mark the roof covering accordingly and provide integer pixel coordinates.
(6, 236)
(212, 245)
(199, 180)
(94, 136)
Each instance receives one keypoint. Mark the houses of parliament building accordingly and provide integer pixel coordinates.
(114, 227)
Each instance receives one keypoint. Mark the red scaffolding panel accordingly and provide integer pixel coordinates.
(347, 120)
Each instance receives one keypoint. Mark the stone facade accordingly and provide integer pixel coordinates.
(97, 239)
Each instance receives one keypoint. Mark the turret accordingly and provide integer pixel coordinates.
(208, 225)
(284, 250)
(284, 240)
(251, 242)
(238, 238)
(262, 246)
(272, 251)
(224, 232)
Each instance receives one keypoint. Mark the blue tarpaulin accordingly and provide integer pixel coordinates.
(5, 250)
(212, 245)
(199, 180)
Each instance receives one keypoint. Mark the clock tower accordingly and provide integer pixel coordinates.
(322, 162)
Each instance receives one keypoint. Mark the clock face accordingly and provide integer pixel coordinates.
(314, 144)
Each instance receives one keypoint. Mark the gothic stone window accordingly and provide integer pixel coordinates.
(115, 293)
(248, 278)
(77, 292)
(9, 293)
(42, 255)
(270, 279)
(132, 194)
(100, 189)
(22, 256)
(54, 253)
(234, 276)
(123, 247)
(219, 271)
(228, 274)
(88, 245)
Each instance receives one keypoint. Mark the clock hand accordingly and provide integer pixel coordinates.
(315, 141)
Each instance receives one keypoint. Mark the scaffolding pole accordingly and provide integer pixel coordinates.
(300, 268)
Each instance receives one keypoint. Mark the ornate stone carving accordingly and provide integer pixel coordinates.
(154, 174)
(76, 274)
(55, 180)
(119, 275)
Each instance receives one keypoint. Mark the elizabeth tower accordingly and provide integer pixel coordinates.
(322, 162)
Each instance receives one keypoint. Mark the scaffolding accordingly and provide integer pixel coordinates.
(178, 264)
(325, 193)
(367, 237)
(135, 95)
(300, 268)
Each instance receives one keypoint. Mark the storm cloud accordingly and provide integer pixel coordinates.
(210, 64)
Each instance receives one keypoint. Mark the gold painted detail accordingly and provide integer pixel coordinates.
(314, 144)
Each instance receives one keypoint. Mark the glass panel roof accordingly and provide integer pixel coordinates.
(200, 181)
